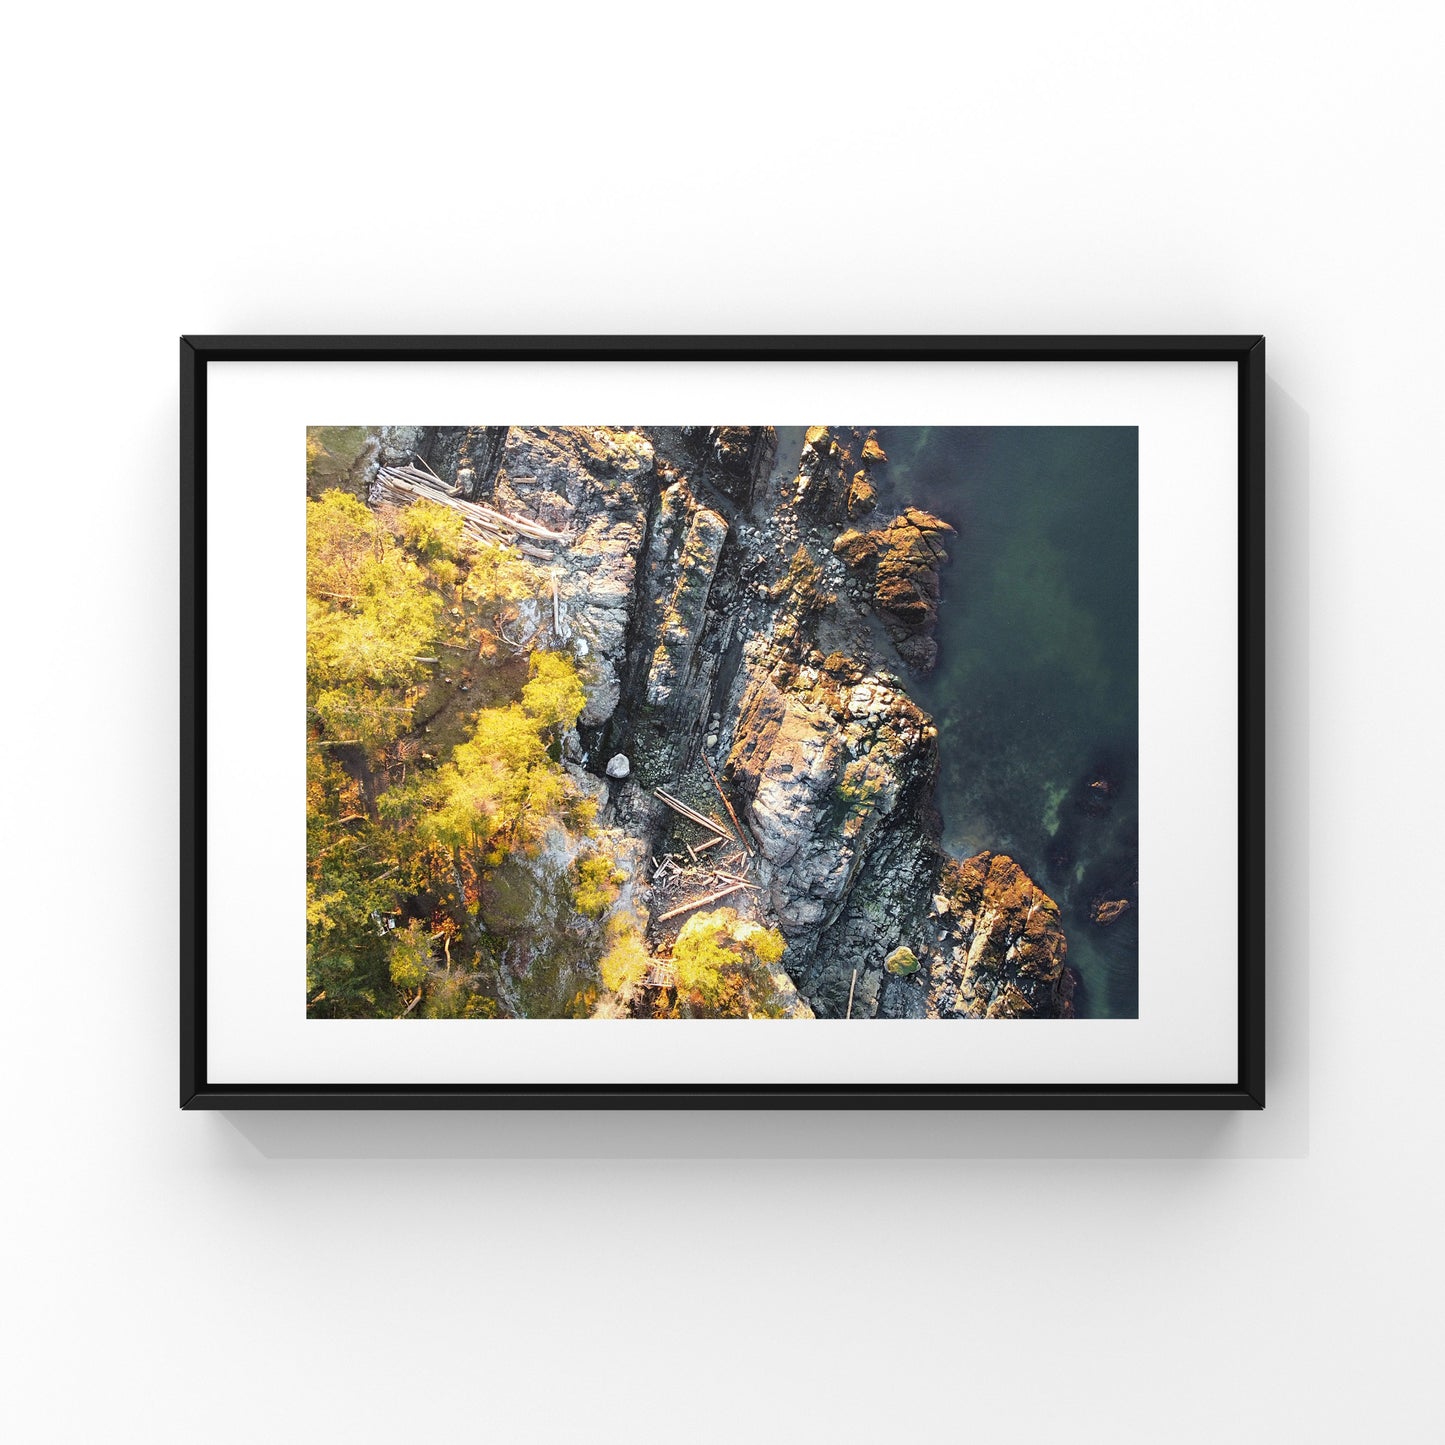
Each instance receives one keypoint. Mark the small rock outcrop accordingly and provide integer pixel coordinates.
(903, 560)
(835, 478)
(1002, 948)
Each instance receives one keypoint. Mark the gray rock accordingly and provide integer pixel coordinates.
(618, 766)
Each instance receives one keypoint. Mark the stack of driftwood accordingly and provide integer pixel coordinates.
(672, 879)
(686, 886)
(402, 485)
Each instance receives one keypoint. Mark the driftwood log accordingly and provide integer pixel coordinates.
(405, 484)
(711, 824)
(701, 902)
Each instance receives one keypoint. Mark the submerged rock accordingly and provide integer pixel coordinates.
(1109, 910)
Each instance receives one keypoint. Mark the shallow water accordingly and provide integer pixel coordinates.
(1036, 690)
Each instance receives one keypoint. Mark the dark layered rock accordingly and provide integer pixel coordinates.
(684, 607)
(738, 459)
(677, 645)
(467, 458)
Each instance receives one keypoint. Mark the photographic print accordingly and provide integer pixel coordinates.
(721, 722)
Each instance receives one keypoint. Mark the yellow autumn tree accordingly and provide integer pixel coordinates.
(723, 965)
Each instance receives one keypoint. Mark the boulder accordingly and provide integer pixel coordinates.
(901, 962)
(817, 785)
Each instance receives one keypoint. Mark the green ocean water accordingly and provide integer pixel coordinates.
(1036, 689)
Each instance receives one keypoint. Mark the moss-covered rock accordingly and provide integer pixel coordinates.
(901, 962)
(336, 456)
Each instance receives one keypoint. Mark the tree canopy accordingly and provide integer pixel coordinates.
(723, 965)
(417, 847)
(454, 866)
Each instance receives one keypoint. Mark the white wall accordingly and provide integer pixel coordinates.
(1149, 168)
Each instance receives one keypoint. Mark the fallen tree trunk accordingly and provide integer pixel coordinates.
(700, 902)
(742, 837)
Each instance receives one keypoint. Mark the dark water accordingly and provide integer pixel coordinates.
(1036, 690)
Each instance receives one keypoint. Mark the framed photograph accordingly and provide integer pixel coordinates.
(722, 722)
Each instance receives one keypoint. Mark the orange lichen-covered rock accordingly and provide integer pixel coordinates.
(856, 548)
(862, 495)
(905, 557)
(834, 479)
(1005, 951)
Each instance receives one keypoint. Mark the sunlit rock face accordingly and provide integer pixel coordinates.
(594, 485)
(823, 761)
(837, 474)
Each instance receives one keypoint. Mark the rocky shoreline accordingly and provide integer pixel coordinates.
(746, 622)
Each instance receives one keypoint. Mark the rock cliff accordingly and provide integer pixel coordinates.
(742, 621)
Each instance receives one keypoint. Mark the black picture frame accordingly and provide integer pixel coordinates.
(199, 1091)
